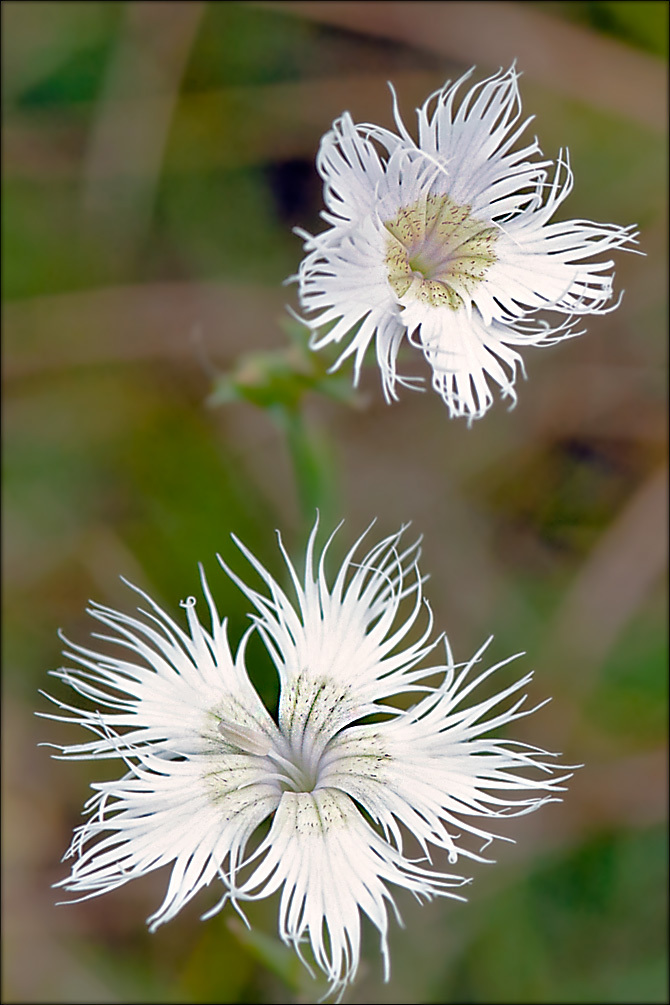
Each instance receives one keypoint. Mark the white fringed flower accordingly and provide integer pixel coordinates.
(356, 807)
(448, 241)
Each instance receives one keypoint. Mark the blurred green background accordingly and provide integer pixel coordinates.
(156, 157)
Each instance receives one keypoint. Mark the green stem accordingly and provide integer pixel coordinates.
(313, 464)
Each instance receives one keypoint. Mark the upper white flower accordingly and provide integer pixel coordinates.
(361, 794)
(448, 241)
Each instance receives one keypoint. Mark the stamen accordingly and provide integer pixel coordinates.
(296, 777)
(250, 740)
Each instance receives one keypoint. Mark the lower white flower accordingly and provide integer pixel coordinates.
(447, 241)
(362, 795)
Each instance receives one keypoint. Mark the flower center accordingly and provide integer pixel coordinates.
(437, 252)
(293, 767)
(295, 773)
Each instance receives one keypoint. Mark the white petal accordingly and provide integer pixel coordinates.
(172, 693)
(195, 814)
(333, 647)
(434, 766)
(330, 866)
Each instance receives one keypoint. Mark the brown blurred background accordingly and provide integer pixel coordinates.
(156, 157)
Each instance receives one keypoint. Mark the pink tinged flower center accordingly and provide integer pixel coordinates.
(437, 252)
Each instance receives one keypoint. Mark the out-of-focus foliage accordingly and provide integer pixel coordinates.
(642, 23)
(156, 158)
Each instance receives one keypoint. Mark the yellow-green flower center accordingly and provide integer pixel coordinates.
(437, 252)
